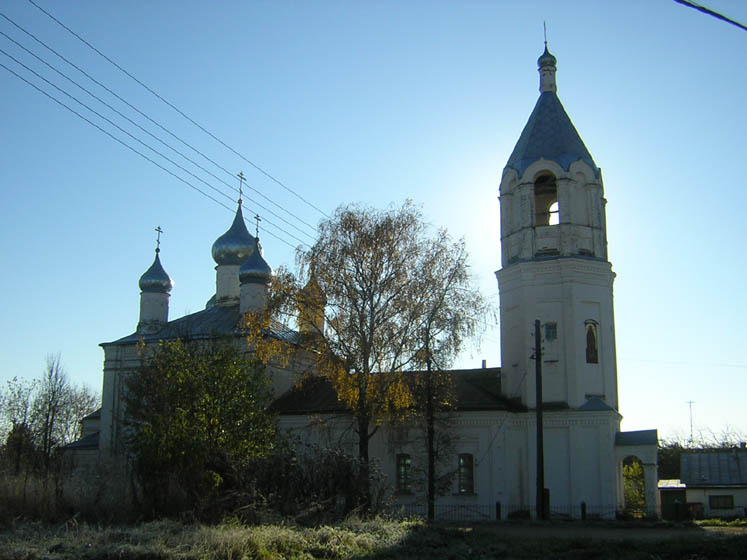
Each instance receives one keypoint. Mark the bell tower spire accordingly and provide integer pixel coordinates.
(554, 260)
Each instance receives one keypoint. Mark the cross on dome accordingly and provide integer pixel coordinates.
(241, 177)
(158, 238)
(257, 219)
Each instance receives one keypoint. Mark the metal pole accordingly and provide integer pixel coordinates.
(540, 443)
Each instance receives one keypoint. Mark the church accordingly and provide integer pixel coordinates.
(555, 282)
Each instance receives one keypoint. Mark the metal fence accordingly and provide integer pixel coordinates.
(499, 511)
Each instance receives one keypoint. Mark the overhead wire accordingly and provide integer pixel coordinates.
(171, 161)
(203, 129)
(710, 12)
(150, 134)
(97, 82)
(126, 145)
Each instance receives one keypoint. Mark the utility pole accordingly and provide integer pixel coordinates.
(690, 403)
(540, 504)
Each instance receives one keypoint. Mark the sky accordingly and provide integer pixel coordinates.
(375, 103)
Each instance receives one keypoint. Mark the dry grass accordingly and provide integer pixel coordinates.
(379, 539)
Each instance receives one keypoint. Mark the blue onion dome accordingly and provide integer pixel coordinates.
(546, 59)
(234, 246)
(155, 278)
(255, 269)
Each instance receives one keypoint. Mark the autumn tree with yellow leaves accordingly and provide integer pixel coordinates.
(382, 294)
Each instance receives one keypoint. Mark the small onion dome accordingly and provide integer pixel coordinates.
(155, 278)
(546, 59)
(312, 292)
(234, 246)
(255, 270)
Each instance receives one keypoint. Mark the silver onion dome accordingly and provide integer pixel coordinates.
(234, 246)
(546, 59)
(255, 269)
(155, 278)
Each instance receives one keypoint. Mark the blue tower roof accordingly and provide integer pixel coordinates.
(550, 134)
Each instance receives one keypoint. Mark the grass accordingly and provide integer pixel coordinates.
(354, 539)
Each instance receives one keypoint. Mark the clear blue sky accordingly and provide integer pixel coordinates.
(375, 102)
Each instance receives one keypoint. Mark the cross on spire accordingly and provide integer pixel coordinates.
(544, 28)
(241, 177)
(257, 219)
(158, 239)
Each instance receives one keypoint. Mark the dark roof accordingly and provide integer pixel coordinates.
(727, 467)
(476, 389)
(595, 404)
(639, 437)
(208, 323)
(550, 134)
(94, 415)
(91, 441)
(314, 395)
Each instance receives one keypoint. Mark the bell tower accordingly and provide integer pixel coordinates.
(554, 262)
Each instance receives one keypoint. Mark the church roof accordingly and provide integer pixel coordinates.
(91, 441)
(637, 437)
(208, 323)
(549, 134)
(476, 389)
(595, 404)
(723, 467)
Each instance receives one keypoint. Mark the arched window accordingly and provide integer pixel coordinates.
(546, 201)
(592, 349)
(466, 474)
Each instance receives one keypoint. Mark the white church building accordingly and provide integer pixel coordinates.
(555, 269)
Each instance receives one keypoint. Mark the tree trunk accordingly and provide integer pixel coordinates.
(364, 473)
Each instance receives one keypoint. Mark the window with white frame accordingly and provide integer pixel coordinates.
(466, 474)
(403, 483)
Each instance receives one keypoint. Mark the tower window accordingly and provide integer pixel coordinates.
(546, 201)
(592, 350)
(551, 331)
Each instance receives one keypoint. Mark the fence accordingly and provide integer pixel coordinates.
(499, 511)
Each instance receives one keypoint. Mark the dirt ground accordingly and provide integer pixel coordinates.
(606, 532)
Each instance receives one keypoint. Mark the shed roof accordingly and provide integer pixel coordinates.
(722, 467)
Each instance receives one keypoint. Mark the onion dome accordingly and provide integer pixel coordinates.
(546, 59)
(155, 278)
(234, 246)
(255, 269)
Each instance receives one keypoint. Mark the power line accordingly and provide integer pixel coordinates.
(171, 161)
(131, 148)
(203, 129)
(707, 11)
(97, 82)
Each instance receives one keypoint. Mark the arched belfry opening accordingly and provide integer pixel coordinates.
(546, 200)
